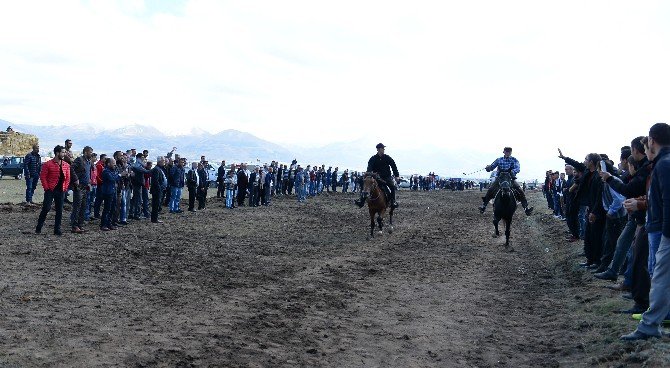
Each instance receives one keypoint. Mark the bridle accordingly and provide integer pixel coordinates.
(373, 186)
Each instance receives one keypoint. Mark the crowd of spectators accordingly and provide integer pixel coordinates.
(128, 186)
(620, 211)
(434, 182)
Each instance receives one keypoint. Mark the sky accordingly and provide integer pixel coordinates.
(586, 76)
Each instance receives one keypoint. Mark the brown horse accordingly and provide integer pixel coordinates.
(377, 202)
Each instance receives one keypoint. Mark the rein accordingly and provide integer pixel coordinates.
(379, 193)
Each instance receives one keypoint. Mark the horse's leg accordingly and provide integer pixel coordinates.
(391, 220)
(372, 223)
(495, 224)
(508, 224)
(380, 222)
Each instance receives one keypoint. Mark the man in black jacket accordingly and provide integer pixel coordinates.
(158, 186)
(382, 164)
(589, 195)
(192, 183)
(203, 185)
(220, 180)
(242, 181)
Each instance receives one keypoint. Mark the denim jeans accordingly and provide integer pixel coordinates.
(229, 198)
(623, 246)
(31, 184)
(175, 198)
(582, 222)
(558, 211)
(628, 273)
(659, 297)
(123, 207)
(90, 202)
(654, 241)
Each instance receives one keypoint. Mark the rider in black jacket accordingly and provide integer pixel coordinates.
(382, 164)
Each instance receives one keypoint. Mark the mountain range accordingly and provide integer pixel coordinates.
(237, 146)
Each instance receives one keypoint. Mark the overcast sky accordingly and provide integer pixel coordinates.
(582, 75)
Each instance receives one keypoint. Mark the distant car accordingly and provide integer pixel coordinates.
(212, 173)
(404, 182)
(12, 166)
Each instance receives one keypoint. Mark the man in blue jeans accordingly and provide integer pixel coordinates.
(658, 228)
(32, 165)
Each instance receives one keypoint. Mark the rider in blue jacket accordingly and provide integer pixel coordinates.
(511, 164)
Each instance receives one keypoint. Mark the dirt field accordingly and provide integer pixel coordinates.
(299, 285)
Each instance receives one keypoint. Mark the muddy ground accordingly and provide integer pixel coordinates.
(299, 285)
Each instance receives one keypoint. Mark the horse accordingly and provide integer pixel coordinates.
(504, 204)
(377, 202)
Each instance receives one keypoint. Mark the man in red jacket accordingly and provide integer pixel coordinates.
(55, 177)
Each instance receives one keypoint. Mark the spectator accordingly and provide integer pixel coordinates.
(32, 166)
(176, 185)
(658, 228)
(81, 168)
(108, 192)
(158, 185)
(54, 176)
(192, 184)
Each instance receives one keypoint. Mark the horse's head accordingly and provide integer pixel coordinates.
(505, 181)
(369, 184)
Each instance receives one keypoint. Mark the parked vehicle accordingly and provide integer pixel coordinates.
(12, 166)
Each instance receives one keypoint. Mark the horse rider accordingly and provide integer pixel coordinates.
(382, 164)
(506, 163)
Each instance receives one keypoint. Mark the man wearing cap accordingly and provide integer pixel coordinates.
(382, 164)
(511, 164)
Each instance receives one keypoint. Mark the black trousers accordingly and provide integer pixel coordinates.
(136, 201)
(221, 189)
(593, 244)
(391, 187)
(613, 228)
(192, 191)
(52, 196)
(572, 218)
(156, 204)
(241, 194)
(202, 198)
(641, 281)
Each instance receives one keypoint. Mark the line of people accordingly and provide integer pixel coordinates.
(124, 187)
(621, 212)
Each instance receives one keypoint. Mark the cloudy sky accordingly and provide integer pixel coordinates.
(474, 75)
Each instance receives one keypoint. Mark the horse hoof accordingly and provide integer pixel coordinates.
(368, 238)
(495, 235)
(391, 230)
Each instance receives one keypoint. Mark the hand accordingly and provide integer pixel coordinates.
(488, 168)
(604, 175)
(592, 218)
(560, 154)
(630, 204)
